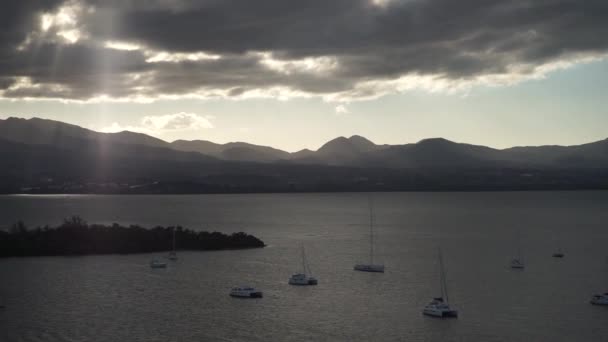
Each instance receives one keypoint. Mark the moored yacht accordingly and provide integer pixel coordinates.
(600, 299)
(304, 278)
(370, 267)
(157, 263)
(172, 256)
(245, 292)
(517, 263)
(439, 306)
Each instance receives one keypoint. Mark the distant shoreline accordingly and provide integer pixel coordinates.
(514, 189)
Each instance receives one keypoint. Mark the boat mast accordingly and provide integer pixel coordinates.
(442, 281)
(519, 254)
(307, 270)
(519, 246)
(303, 259)
(173, 245)
(371, 231)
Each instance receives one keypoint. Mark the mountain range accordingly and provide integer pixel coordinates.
(35, 149)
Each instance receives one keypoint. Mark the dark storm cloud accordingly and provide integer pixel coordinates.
(365, 41)
(17, 19)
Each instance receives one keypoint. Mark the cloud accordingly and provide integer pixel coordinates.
(341, 109)
(343, 50)
(176, 122)
(162, 124)
(115, 127)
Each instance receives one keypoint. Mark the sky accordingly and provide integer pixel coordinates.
(295, 74)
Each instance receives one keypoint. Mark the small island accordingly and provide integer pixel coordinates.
(76, 237)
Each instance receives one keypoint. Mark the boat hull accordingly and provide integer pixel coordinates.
(517, 264)
(441, 313)
(250, 295)
(369, 268)
(158, 265)
(303, 283)
(599, 300)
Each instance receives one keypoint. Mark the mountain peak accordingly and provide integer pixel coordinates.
(435, 141)
(336, 143)
(363, 144)
(343, 149)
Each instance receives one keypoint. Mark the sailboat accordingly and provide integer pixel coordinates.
(440, 306)
(173, 253)
(304, 278)
(158, 263)
(518, 261)
(371, 267)
(601, 298)
(558, 254)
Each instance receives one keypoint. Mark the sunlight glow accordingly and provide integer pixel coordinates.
(46, 21)
(313, 65)
(116, 45)
(64, 22)
(71, 36)
(163, 56)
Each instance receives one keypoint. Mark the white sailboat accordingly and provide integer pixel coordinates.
(371, 267)
(440, 306)
(173, 253)
(304, 278)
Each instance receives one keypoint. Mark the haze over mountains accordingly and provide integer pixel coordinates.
(35, 149)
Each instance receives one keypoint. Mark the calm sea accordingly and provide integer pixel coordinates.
(119, 298)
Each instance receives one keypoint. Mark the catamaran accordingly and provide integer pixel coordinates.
(371, 267)
(439, 306)
(304, 278)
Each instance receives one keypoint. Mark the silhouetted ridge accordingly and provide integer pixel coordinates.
(49, 132)
(75, 237)
(435, 141)
(45, 156)
(239, 151)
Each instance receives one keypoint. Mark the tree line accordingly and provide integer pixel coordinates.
(76, 237)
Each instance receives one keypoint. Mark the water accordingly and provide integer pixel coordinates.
(119, 298)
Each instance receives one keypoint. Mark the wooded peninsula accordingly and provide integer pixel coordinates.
(76, 237)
